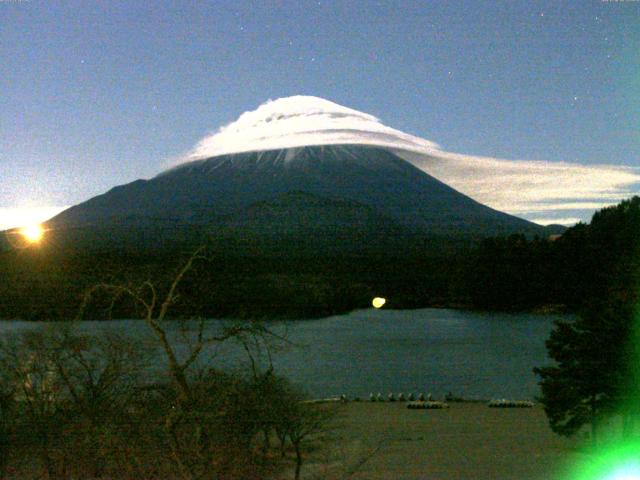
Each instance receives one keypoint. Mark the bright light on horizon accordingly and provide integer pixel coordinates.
(22, 217)
(32, 233)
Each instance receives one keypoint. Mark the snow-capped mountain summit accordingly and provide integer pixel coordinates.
(300, 121)
(325, 169)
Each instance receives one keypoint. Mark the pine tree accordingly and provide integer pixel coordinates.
(597, 355)
(593, 363)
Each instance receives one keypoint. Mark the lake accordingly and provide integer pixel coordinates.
(473, 355)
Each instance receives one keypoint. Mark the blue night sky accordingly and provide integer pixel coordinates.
(99, 94)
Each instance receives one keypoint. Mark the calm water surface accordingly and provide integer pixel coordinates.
(476, 355)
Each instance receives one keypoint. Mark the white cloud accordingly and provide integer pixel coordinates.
(532, 189)
(12, 217)
(568, 221)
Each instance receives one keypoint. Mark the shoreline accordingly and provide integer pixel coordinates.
(467, 440)
(540, 310)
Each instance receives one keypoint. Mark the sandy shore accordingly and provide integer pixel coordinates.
(466, 441)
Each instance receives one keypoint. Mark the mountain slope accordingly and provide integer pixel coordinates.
(205, 192)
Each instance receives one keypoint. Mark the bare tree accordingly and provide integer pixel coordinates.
(86, 407)
(27, 363)
(305, 423)
(190, 453)
(101, 375)
(67, 389)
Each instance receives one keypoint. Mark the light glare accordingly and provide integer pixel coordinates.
(33, 233)
(378, 302)
(630, 471)
(609, 462)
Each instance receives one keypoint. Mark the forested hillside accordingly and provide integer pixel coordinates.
(45, 282)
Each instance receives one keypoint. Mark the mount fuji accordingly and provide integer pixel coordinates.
(307, 208)
(300, 166)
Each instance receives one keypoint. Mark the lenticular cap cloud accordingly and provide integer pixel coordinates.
(303, 121)
(537, 190)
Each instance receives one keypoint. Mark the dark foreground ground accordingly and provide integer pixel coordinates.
(467, 441)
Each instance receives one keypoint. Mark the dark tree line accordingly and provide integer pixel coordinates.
(44, 282)
(597, 356)
(516, 273)
(513, 273)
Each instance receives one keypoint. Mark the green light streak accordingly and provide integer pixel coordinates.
(617, 462)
